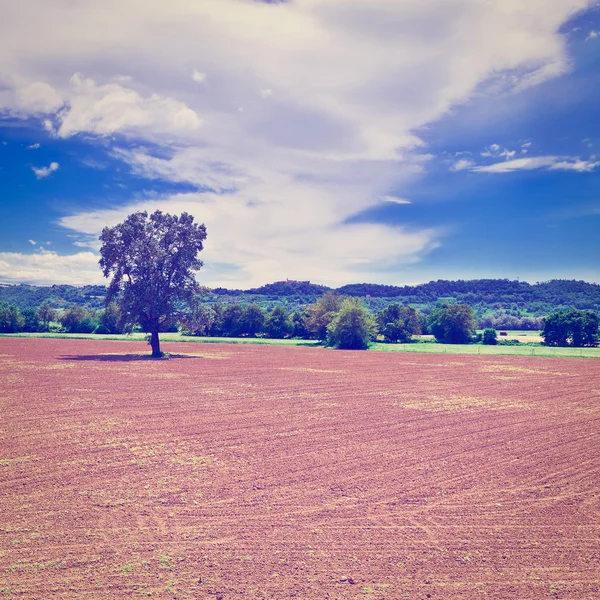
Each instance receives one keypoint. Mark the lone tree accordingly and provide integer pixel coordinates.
(398, 323)
(352, 327)
(452, 323)
(152, 260)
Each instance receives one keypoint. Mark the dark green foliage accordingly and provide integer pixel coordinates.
(398, 323)
(231, 321)
(78, 320)
(508, 343)
(11, 320)
(571, 328)
(253, 320)
(290, 288)
(111, 319)
(578, 294)
(321, 313)
(279, 324)
(352, 327)
(490, 337)
(300, 329)
(151, 260)
(452, 323)
(31, 320)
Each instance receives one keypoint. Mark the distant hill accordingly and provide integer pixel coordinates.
(483, 294)
(26, 296)
(558, 291)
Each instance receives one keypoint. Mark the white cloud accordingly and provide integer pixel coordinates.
(33, 147)
(32, 242)
(575, 165)
(554, 163)
(462, 165)
(49, 267)
(110, 108)
(198, 76)
(507, 154)
(35, 98)
(190, 165)
(354, 79)
(396, 200)
(525, 147)
(42, 172)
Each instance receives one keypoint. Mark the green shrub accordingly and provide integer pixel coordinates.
(352, 327)
(490, 336)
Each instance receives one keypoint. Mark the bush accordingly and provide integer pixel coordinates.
(508, 343)
(352, 327)
(490, 337)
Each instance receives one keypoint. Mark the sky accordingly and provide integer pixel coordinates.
(336, 141)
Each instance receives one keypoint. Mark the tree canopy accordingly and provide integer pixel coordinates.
(352, 327)
(151, 260)
(452, 323)
(571, 328)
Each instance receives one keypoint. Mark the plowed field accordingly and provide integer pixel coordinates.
(270, 472)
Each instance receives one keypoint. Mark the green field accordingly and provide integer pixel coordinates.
(524, 350)
(432, 348)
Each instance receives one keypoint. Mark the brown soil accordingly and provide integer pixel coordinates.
(271, 472)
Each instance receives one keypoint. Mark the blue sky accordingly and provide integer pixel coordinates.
(365, 140)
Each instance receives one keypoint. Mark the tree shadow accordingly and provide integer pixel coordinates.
(123, 357)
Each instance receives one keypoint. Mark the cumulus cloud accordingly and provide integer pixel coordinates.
(42, 172)
(20, 99)
(46, 267)
(110, 108)
(348, 84)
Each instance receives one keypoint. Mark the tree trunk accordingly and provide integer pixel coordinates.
(155, 345)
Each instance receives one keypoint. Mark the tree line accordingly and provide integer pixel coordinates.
(334, 320)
